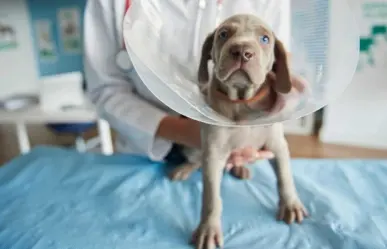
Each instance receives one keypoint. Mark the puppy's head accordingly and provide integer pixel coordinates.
(244, 50)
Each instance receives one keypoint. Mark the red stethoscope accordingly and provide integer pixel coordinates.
(122, 57)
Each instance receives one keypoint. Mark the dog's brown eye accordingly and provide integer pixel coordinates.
(223, 34)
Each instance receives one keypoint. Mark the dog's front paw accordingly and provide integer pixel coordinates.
(291, 209)
(208, 235)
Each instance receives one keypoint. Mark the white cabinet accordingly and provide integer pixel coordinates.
(359, 115)
(302, 126)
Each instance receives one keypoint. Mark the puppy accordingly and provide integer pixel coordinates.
(250, 72)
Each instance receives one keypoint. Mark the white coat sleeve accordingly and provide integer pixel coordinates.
(111, 90)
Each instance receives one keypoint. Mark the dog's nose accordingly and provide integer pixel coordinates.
(239, 52)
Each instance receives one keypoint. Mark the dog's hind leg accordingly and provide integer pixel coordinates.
(240, 172)
(184, 171)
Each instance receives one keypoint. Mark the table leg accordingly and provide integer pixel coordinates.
(22, 137)
(105, 136)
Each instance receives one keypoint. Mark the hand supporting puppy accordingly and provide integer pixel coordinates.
(235, 163)
(289, 101)
(241, 157)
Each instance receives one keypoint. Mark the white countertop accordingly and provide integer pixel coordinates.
(37, 115)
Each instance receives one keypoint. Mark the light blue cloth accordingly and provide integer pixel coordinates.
(54, 198)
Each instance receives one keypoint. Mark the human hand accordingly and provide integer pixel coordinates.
(186, 131)
(241, 157)
(289, 101)
(180, 130)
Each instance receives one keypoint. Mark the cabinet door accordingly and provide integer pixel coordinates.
(301, 126)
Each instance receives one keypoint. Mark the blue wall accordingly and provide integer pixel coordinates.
(65, 61)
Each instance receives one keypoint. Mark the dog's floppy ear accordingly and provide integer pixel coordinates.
(281, 69)
(203, 75)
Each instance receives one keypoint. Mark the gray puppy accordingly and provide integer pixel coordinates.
(250, 70)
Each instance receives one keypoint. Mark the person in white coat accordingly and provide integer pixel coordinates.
(143, 124)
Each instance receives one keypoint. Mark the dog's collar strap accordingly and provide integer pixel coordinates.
(262, 93)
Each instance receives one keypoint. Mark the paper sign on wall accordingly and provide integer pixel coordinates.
(373, 43)
(70, 29)
(8, 38)
(66, 21)
(45, 39)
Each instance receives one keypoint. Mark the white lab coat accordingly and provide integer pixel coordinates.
(125, 102)
(129, 107)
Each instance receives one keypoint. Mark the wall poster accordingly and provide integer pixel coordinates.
(8, 38)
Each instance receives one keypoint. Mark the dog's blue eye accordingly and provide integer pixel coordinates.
(264, 39)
